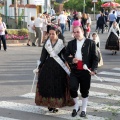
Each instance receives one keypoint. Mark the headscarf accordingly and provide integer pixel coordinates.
(97, 40)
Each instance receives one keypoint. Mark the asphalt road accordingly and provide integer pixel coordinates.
(16, 77)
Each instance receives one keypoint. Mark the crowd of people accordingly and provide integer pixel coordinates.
(63, 70)
(111, 21)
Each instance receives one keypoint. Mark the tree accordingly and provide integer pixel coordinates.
(16, 11)
(78, 5)
(21, 1)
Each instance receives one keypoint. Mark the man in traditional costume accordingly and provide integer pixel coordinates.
(79, 52)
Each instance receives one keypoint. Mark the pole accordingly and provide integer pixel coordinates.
(84, 7)
(16, 12)
(94, 10)
(5, 13)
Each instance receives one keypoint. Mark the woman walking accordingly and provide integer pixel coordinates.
(112, 42)
(52, 88)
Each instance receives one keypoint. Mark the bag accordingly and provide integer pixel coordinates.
(5, 30)
(85, 26)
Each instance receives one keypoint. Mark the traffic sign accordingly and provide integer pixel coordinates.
(94, 1)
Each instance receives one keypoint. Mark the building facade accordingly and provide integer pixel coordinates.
(26, 8)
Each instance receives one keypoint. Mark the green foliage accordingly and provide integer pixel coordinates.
(118, 1)
(18, 32)
(79, 4)
(20, 19)
(56, 4)
(12, 32)
(23, 31)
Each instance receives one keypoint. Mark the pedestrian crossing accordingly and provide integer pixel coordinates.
(5, 118)
(111, 82)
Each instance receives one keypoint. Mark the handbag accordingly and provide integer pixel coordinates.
(5, 30)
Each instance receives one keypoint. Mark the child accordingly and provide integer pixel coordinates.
(95, 38)
(88, 30)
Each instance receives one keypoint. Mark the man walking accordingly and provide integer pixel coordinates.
(38, 28)
(111, 18)
(79, 52)
(62, 20)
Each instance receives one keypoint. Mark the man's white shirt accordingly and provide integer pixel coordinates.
(38, 22)
(62, 18)
(78, 54)
(31, 27)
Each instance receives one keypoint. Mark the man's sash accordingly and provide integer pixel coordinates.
(53, 54)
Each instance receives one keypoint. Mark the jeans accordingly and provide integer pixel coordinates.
(62, 27)
(2, 37)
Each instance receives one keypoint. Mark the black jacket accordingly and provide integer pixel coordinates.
(89, 54)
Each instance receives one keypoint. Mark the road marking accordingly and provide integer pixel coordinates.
(5, 118)
(107, 79)
(116, 69)
(109, 73)
(42, 110)
(15, 74)
(16, 81)
(93, 105)
(93, 94)
(109, 87)
(105, 95)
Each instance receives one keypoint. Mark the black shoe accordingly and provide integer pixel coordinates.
(28, 44)
(83, 114)
(115, 52)
(33, 44)
(74, 112)
(50, 109)
(55, 110)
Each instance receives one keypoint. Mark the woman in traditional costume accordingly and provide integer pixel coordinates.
(96, 38)
(112, 42)
(52, 87)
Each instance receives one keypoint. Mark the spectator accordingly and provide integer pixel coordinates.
(2, 34)
(31, 32)
(38, 28)
(62, 20)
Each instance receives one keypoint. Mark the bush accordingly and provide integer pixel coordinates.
(17, 34)
(23, 32)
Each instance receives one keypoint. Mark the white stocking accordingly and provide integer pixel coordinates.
(84, 104)
(76, 106)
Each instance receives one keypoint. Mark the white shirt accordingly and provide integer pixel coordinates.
(89, 20)
(52, 12)
(62, 18)
(31, 26)
(2, 26)
(38, 22)
(118, 13)
(97, 16)
(78, 54)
